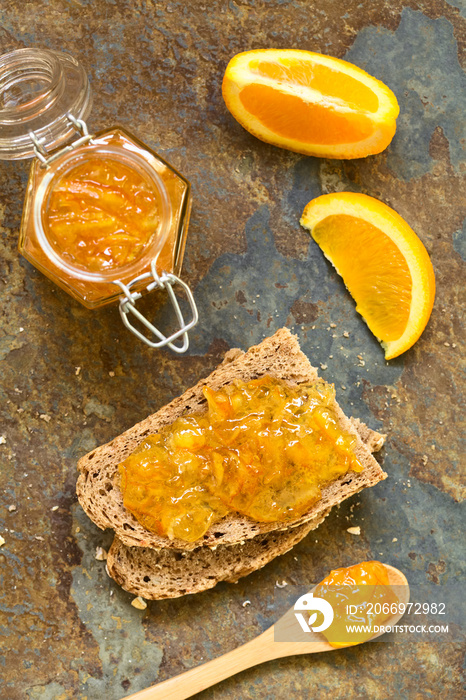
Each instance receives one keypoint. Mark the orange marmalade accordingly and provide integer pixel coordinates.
(262, 449)
(102, 214)
(360, 595)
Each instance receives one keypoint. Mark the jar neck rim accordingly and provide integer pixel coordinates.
(53, 177)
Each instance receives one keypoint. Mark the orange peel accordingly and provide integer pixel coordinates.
(382, 261)
(313, 104)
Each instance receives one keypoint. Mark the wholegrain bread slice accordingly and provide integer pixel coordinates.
(279, 356)
(167, 573)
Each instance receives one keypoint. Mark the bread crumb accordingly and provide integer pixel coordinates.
(432, 447)
(425, 459)
(46, 417)
(281, 585)
(447, 345)
(345, 334)
(78, 369)
(2, 439)
(38, 537)
(333, 325)
(354, 530)
(54, 508)
(246, 603)
(111, 374)
(100, 554)
(343, 387)
(395, 539)
(453, 345)
(322, 366)
(139, 603)
(12, 508)
(2, 541)
(78, 529)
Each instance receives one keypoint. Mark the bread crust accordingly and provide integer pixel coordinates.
(167, 573)
(98, 485)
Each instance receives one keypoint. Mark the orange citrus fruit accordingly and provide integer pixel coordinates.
(309, 103)
(383, 263)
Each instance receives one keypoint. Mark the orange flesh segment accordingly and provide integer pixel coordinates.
(373, 269)
(323, 79)
(290, 116)
(263, 449)
(310, 103)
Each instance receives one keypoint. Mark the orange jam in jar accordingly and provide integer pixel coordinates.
(105, 217)
(102, 214)
(361, 596)
(263, 449)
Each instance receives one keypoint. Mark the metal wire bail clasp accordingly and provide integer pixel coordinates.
(164, 281)
(44, 156)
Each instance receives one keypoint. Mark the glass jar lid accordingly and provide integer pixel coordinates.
(38, 89)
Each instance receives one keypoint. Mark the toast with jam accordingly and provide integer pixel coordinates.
(167, 573)
(99, 485)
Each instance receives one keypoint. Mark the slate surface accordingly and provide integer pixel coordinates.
(72, 379)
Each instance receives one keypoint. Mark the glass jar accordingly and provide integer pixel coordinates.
(104, 217)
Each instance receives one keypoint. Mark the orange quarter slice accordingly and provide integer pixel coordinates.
(310, 103)
(383, 263)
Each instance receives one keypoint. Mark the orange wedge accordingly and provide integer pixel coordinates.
(309, 103)
(383, 263)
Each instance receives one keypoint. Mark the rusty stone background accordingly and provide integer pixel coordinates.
(72, 379)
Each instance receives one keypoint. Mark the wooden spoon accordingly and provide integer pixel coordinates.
(262, 648)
